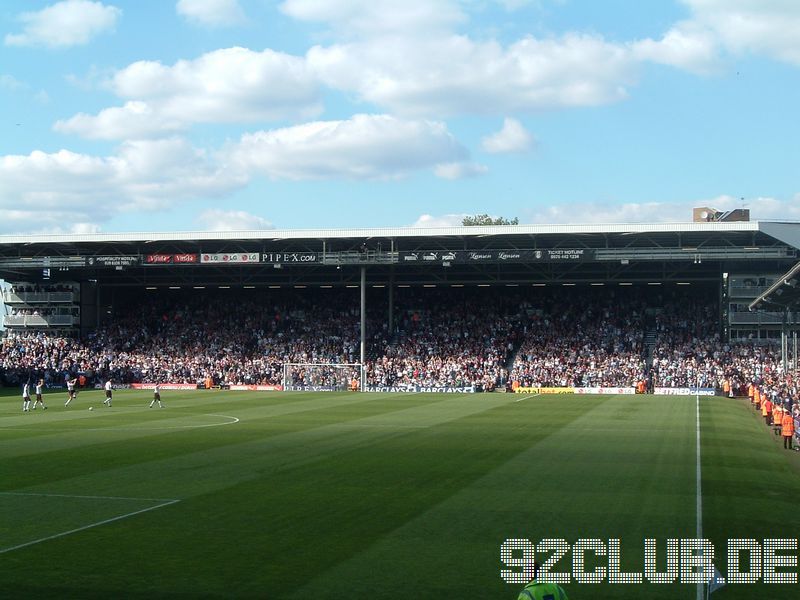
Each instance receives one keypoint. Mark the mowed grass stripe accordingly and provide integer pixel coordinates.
(320, 500)
(570, 482)
(130, 401)
(751, 486)
(225, 458)
(409, 496)
(70, 428)
(66, 455)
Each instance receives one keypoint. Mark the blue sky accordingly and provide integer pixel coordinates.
(250, 114)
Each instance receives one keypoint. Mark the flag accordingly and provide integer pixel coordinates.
(717, 582)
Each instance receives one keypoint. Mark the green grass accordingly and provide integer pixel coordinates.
(328, 495)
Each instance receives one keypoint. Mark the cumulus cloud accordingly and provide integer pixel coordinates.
(513, 137)
(686, 46)
(58, 190)
(376, 18)
(460, 170)
(134, 120)
(761, 208)
(767, 27)
(362, 147)
(231, 85)
(453, 74)
(11, 83)
(448, 220)
(64, 24)
(231, 220)
(211, 13)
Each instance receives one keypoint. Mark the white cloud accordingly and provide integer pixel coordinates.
(512, 5)
(761, 208)
(64, 189)
(767, 27)
(64, 24)
(57, 190)
(362, 147)
(11, 83)
(449, 220)
(685, 46)
(376, 18)
(231, 220)
(211, 13)
(231, 85)
(460, 170)
(453, 74)
(134, 120)
(513, 137)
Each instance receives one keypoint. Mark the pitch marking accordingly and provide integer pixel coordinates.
(85, 527)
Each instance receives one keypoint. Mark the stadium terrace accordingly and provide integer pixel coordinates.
(462, 308)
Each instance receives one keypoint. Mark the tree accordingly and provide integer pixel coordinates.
(485, 219)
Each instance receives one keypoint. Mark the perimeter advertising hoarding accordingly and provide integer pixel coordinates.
(496, 256)
(417, 389)
(684, 391)
(617, 391)
(255, 388)
(230, 258)
(171, 259)
(291, 257)
(167, 386)
(112, 261)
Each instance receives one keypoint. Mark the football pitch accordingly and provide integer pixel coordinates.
(348, 495)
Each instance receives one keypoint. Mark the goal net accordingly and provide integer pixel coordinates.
(323, 377)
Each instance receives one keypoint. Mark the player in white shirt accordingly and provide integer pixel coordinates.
(107, 401)
(26, 397)
(71, 393)
(156, 396)
(39, 387)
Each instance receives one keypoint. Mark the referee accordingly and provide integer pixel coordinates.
(536, 590)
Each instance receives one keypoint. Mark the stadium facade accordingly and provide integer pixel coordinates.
(71, 282)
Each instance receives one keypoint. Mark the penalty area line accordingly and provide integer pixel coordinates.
(90, 526)
(44, 495)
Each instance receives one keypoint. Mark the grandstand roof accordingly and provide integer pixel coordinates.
(784, 293)
(507, 254)
(387, 232)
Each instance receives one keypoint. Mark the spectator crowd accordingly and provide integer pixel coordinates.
(486, 339)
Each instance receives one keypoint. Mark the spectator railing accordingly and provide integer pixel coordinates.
(40, 321)
(761, 318)
(10, 297)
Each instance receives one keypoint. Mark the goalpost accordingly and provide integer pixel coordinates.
(324, 377)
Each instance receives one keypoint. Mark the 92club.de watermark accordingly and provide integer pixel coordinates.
(688, 561)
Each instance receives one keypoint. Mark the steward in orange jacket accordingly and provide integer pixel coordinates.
(757, 398)
(787, 430)
(766, 411)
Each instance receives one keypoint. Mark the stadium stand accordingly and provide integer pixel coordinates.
(489, 339)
